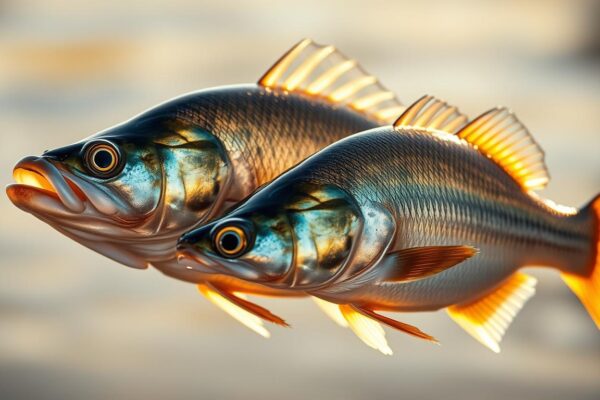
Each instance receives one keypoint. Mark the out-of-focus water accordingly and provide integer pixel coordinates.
(75, 325)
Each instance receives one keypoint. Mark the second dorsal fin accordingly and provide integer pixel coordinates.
(502, 137)
(323, 72)
(431, 113)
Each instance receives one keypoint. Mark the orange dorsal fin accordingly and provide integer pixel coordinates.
(431, 113)
(488, 318)
(323, 72)
(502, 137)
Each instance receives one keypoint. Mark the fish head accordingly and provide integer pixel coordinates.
(296, 235)
(128, 192)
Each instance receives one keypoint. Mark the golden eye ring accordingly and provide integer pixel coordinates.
(102, 159)
(231, 241)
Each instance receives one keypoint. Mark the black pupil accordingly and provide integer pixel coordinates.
(230, 241)
(103, 159)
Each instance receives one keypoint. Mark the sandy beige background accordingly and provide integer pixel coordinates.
(74, 325)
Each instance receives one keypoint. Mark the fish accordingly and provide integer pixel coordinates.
(434, 212)
(130, 191)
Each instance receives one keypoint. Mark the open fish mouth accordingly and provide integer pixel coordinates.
(41, 187)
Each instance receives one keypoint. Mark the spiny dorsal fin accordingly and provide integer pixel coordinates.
(502, 137)
(488, 318)
(323, 72)
(431, 113)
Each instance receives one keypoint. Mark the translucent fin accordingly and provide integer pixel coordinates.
(251, 321)
(332, 310)
(431, 113)
(487, 319)
(323, 72)
(502, 137)
(367, 330)
(587, 288)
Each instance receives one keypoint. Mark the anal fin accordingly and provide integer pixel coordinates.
(488, 318)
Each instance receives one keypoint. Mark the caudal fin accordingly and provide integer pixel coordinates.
(587, 287)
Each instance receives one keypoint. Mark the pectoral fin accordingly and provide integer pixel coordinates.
(420, 262)
(488, 318)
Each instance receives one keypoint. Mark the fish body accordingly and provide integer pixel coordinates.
(130, 191)
(416, 217)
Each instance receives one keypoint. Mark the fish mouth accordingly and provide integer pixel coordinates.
(42, 188)
(193, 260)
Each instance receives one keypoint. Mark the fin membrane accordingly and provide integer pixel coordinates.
(243, 311)
(587, 288)
(431, 113)
(502, 137)
(367, 329)
(420, 262)
(332, 310)
(323, 72)
(488, 318)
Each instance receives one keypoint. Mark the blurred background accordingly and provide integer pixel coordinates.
(75, 325)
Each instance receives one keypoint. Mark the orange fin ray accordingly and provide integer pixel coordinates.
(324, 73)
(488, 318)
(401, 326)
(500, 135)
(431, 113)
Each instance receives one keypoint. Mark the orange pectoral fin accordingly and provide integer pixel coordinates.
(421, 262)
(250, 307)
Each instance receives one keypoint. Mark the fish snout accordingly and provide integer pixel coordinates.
(38, 174)
(192, 258)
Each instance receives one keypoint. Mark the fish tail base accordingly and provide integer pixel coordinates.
(587, 287)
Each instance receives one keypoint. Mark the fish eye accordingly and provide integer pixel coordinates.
(231, 241)
(102, 159)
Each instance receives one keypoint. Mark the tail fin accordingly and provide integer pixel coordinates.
(587, 288)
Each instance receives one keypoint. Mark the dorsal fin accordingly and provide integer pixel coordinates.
(323, 72)
(431, 113)
(488, 318)
(502, 137)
